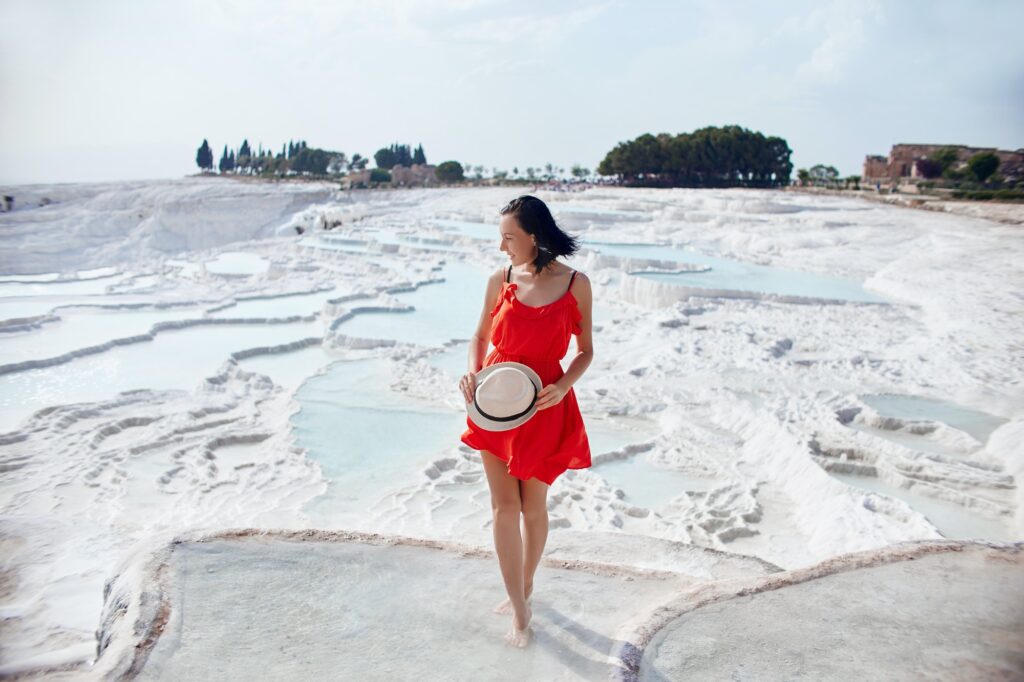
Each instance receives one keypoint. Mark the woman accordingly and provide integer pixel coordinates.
(531, 308)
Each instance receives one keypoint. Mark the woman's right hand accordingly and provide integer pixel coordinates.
(468, 385)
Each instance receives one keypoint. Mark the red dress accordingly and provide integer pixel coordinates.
(553, 439)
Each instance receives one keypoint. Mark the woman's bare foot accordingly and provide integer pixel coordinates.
(506, 606)
(519, 636)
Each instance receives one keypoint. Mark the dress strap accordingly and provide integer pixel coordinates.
(571, 279)
(508, 275)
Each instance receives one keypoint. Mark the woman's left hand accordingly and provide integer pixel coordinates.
(550, 395)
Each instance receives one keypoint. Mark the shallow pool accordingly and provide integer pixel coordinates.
(367, 439)
(278, 306)
(952, 520)
(237, 263)
(175, 359)
(740, 276)
(648, 485)
(979, 425)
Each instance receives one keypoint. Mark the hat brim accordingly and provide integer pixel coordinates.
(489, 424)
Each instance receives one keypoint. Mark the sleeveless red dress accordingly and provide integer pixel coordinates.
(553, 439)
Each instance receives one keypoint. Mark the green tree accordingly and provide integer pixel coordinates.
(222, 165)
(804, 176)
(982, 165)
(418, 156)
(358, 162)
(709, 157)
(824, 175)
(380, 175)
(204, 156)
(312, 160)
(945, 157)
(449, 171)
(386, 158)
(244, 158)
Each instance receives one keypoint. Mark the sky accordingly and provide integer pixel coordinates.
(128, 89)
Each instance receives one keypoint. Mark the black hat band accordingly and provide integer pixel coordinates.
(511, 417)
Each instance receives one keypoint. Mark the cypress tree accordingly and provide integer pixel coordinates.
(204, 156)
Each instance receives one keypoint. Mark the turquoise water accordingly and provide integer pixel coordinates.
(237, 263)
(444, 311)
(736, 275)
(175, 359)
(289, 369)
(45, 288)
(369, 440)
(278, 306)
(725, 273)
(647, 485)
(366, 438)
(469, 229)
(952, 520)
(84, 327)
(979, 425)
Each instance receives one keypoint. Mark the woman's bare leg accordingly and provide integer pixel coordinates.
(506, 506)
(534, 495)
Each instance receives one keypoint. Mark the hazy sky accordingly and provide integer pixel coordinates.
(115, 89)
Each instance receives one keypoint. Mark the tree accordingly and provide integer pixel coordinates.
(730, 156)
(386, 158)
(312, 160)
(945, 157)
(804, 177)
(418, 156)
(222, 165)
(358, 162)
(380, 175)
(824, 175)
(449, 171)
(579, 171)
(982, 165)
(204, 156)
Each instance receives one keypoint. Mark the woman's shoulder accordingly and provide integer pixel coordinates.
(577, 275)
(497, 277)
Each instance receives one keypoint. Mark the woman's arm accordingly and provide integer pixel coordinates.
(584, 340)
(482, 337)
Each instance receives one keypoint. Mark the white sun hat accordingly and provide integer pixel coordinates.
(505, 397)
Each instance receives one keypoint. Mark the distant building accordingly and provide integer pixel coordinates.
(360, 178)
(417, 175)
(901, 164)
(414, 175)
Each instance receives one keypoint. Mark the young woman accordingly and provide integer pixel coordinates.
(531, 308)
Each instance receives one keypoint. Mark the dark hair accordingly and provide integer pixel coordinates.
(535, 219)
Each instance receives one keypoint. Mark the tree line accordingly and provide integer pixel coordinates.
(728, 156)
(295, 158)
(299, 158)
